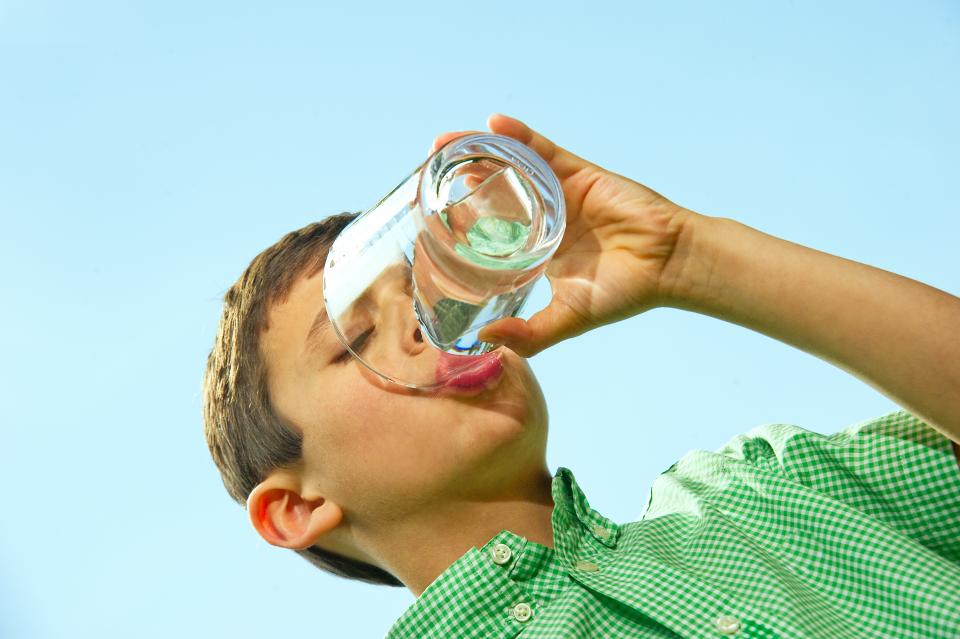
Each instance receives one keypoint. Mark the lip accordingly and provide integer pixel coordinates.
(468, 372)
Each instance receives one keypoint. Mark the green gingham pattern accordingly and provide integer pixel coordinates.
(782, 533)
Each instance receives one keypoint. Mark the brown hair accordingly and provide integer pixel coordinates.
(246, 437)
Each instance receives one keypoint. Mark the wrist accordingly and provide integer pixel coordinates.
(689, 279)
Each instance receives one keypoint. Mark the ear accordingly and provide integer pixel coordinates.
(284, 517)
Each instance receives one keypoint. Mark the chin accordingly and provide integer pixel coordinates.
(493, 449)
(506, 412)
(508, 418)
(515, 395)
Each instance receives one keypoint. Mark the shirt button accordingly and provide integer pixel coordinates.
(601, 532)
(727, 625)
(587, 566)
(522, 612)
(501, 554)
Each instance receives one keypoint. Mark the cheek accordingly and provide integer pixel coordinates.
(381, 443)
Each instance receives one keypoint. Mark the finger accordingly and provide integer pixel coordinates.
(563, 163)
(443, 138)
(512, 332)
(545, 328)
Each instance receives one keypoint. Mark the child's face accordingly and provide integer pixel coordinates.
(381, 450)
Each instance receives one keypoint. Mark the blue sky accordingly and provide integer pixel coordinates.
(147, 153)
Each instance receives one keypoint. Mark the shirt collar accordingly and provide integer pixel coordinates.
(480, 593)
(572, 515)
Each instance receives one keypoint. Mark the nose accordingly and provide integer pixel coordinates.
(412, 341)
(400, 324)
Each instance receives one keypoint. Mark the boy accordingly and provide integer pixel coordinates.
(781, 533)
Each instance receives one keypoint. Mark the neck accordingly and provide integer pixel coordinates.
(418, 550)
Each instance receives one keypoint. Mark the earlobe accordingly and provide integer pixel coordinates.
(283, 517)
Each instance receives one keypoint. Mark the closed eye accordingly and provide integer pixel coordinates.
(356, 345)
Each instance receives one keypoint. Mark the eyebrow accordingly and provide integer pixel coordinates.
(320, 324)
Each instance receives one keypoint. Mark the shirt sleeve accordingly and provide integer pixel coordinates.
(895, 467)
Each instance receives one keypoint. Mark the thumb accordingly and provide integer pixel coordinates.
(545, 328)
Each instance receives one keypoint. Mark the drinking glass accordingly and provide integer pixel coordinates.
(457, 245)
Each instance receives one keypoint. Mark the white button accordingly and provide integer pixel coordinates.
(601, 532)
(728, 625)
(501, 554)
(587, 566)
(522, 612)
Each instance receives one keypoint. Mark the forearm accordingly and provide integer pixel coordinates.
(896, 334)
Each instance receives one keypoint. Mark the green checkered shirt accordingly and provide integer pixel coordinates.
(782, 533)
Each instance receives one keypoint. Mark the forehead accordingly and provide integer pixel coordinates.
(289, 322)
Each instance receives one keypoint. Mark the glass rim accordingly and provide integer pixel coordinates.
(511, 152)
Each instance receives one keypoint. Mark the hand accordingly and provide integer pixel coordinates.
(609, 265)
